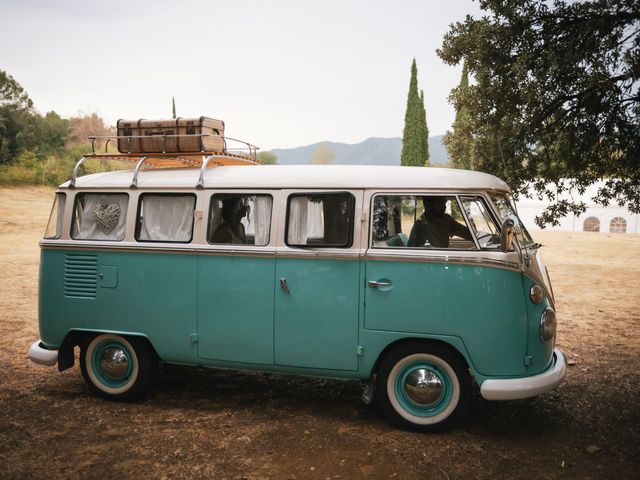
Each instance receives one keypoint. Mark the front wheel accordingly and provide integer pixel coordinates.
(424, 387)
(117, 368)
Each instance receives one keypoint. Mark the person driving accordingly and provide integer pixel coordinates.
(435, 226)
(231, 230)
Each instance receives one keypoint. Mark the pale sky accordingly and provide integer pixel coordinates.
(280, 73)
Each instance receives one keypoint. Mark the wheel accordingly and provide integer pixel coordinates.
(424, 387)
(117, 368)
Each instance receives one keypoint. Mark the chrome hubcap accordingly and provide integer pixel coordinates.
(423, 387)
(114, 363)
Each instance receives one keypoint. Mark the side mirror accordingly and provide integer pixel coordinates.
(506, 239)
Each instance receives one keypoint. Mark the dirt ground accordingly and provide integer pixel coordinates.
(229, 425)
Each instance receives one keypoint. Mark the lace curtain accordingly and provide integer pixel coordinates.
(262, 219)
(100, 216)
(306, 221)
(167, 218)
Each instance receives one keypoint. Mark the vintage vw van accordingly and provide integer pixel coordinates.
(413, 280)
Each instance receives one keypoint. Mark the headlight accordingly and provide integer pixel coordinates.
(548, 325)
(535, 294)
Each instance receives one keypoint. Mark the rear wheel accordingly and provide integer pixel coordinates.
(117, 368)
(424, 386)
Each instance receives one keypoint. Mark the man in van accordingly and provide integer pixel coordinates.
(435, 226)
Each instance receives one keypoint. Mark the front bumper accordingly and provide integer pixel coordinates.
(525, 387)
(42, 356)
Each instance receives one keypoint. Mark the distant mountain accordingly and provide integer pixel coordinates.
(373, 151)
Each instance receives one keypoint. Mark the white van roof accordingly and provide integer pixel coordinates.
(299, 176)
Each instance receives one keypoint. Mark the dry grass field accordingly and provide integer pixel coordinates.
(217, 424)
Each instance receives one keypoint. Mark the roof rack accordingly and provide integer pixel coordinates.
(244, 148)
(204, 159)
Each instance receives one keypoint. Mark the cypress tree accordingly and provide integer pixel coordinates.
(459, 141)
(424, 131)
(414, 136)
(173, 106)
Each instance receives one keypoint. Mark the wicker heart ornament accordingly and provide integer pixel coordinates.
(107, 216)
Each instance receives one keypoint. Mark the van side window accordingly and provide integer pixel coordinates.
(165, 218)
(240, 218)
(320, 220)
(419, 221)
(482, 224)
(99, 216)
(54, 225)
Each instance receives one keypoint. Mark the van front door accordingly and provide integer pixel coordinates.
(317, 283)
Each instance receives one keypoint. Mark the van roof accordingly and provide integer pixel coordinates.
(299, 176)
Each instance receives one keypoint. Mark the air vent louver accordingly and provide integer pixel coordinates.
(80, 276)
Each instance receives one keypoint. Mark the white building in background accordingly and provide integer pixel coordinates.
(597, 218)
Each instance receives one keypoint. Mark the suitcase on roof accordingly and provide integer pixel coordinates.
(171, 136)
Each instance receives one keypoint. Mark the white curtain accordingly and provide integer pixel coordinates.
(262, 219)
(298, 215)
(167, 218)
(100, 217)
(315, 220)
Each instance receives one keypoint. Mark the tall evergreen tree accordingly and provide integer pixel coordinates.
(173, 106)
(424, 131)
(459, 141)
(415, 134)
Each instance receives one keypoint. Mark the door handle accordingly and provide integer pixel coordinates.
(284, 286)
(373, 284)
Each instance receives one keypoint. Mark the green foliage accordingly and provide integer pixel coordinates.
(556, 101)
(459, 142)
(415, 136)
(173, 107)
(12, 94)
(42, 150)
(267, 158)
(26, 170)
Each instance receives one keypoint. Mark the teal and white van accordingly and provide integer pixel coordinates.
(413, 280)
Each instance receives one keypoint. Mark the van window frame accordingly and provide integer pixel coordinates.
(138, 224)
(246, 193)
(97, 192)
(391, 248)
(59, 224)
(490, 208)
(351, 218)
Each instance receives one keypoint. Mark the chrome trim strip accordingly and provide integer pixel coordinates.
(263, 253)
(164, 249)
(267, 252)
(445, 259)
(323, 255)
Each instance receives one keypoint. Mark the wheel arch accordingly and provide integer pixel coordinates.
(458, 350)
(78, 337)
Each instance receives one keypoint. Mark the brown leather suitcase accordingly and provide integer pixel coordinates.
(212, 129)
(171, 136)
(126, 131)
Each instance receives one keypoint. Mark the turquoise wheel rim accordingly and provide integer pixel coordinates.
(433, 409)
(96, 363)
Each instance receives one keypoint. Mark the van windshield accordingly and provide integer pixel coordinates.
(506, 208)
